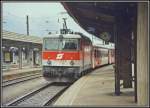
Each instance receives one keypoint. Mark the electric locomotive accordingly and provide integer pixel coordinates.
(66, 57)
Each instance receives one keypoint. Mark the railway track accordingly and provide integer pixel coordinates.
(43, 96)
(20, 79)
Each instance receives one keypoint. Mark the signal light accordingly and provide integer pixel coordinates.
(72, 62)
(49, 62)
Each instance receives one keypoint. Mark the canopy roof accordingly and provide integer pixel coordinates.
(7, 35)
(99, 17)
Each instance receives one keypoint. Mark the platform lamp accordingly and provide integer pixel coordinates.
(3, 48)
(105, 36)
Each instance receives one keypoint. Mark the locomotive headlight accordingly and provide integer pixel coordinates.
(71, 62)
(49, 62)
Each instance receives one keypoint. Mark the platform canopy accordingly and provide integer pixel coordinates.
(99, 18)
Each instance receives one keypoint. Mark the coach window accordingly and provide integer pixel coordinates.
(103, 53)
(106, 53)
(98, 53)
(95, 53)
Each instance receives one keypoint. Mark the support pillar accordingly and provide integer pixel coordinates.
(40, 55)
(31, 57)
(117, 75)
(20, 57)
(134, 52)
(142, 54)
(123, 40)
(28, 55)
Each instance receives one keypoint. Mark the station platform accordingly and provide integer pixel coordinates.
(14, 73)
(96, 89)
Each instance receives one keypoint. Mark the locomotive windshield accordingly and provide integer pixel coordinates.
(57, 44)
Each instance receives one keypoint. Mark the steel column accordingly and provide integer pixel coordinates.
(142, 54)
(20, 57)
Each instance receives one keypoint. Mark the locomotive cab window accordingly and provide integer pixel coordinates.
(50, 44)
(63, 44)
(70, 44)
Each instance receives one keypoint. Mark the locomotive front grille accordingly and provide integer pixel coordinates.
(60, 71)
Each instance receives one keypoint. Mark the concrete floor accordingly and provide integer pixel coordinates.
(96, 89)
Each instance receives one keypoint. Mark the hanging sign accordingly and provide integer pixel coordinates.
(7, 57)
(105, 36)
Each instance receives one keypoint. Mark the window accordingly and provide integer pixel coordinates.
(64, 44)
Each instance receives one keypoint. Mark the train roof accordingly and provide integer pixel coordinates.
(64, 36)
(73, 36)
(104, 46)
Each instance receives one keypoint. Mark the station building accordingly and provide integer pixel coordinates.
(20, 51)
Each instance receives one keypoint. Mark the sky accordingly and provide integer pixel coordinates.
(43, 18)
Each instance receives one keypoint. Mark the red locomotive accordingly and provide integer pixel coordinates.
(69, 56)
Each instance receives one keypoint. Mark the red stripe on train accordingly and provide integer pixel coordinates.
(55, 55)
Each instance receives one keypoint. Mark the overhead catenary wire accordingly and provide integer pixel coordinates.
(38, 24)
(41, 25)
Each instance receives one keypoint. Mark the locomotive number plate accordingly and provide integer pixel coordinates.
(63, 61)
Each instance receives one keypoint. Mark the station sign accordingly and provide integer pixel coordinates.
(7, 56)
